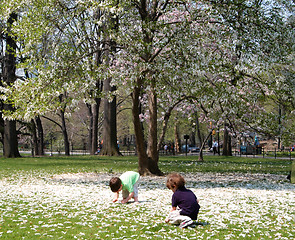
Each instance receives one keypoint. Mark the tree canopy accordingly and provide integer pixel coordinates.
(227, 60)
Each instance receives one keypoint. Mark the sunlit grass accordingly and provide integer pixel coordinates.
(85, 163)
(54, 198)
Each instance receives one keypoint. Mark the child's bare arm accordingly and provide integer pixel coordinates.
(128, 198)
(116, 197)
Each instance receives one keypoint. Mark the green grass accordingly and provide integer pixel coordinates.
(222, 164)
(72, 164)
(33, 206)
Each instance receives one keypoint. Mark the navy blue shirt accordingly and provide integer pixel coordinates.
(186, 200)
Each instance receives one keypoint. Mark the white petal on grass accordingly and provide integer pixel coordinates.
(249, 201)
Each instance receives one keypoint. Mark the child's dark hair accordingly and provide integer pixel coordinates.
(115, 184)
(175, 181)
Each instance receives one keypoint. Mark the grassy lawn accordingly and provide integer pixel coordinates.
(221, 164)
(69, 198)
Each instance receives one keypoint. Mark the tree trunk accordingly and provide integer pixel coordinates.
(90, 130)
(95, 111)
(193, 134)
(10, 148)
(164, 128)
(34, 137)
(198, 128)
(40, 137)
(201, 158)
(152, 150)
(10, 142)
(143, 166)
(110, 146)
(165, 122)
(227, 150)
(94, 108)
(65, 133)
(177, 138)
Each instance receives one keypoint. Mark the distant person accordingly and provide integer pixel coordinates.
(185, 206)
(215, 147)
(128, 184)
(256, 141)
(97, 151)
(99, 148)
(166, 148)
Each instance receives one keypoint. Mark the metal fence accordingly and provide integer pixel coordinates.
(286, 153)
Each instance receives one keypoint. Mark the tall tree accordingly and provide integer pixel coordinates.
(218, 52)
(62, 46)
(10, 141)
(36, 130)
(40, 136)
(144, 24)
(226, 48)
(110, 146)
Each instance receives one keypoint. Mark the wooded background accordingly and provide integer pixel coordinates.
(77, 72)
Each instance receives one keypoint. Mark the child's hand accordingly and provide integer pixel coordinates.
(124, 201)
(115, 199)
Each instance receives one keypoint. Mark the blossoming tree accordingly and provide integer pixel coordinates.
(215, 51)
(63, 47)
